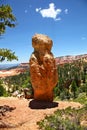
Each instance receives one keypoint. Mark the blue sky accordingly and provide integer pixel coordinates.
(64, 21)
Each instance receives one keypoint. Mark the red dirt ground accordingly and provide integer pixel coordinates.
(26, 113)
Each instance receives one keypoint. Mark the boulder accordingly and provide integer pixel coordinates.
(28, 94)
(15, 93)
(43, 70)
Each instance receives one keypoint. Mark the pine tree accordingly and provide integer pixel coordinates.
(74, 88)
(8, 55)
(7, 19)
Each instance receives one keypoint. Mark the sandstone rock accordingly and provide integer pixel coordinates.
(27, 93)
(15, 93)
(43, 69)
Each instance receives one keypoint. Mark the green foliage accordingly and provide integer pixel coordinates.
(2, 90)
(74, 88)
(7, 54)
(66, 119)
(72, 80)
(18, 82)
(6, 18)
(82, 98)
(1, 81)
(84, 88)
(65, 94)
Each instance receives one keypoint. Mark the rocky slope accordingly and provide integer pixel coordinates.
(14, 71)
(69, 58)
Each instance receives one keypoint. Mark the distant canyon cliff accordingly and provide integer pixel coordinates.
(70, 59)
(25, 66)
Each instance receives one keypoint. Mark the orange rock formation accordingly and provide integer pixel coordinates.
(43, 69)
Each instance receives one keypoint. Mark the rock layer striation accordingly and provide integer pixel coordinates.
(43, 69)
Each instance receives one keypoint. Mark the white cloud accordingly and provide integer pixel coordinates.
(38, 9)
(66, 11)
(50, 12)
(58, 19)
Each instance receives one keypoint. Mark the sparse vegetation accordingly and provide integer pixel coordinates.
(17, 82)
(66, 119)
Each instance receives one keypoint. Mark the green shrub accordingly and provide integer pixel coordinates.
(64, 94)
(66, 119)
(2, 90)
(82, 98)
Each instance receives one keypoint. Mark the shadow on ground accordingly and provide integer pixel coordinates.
(35, 104)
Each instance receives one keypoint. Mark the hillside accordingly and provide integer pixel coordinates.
(20, 113)
(14, 71)
(25, 66)
(70, 59)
